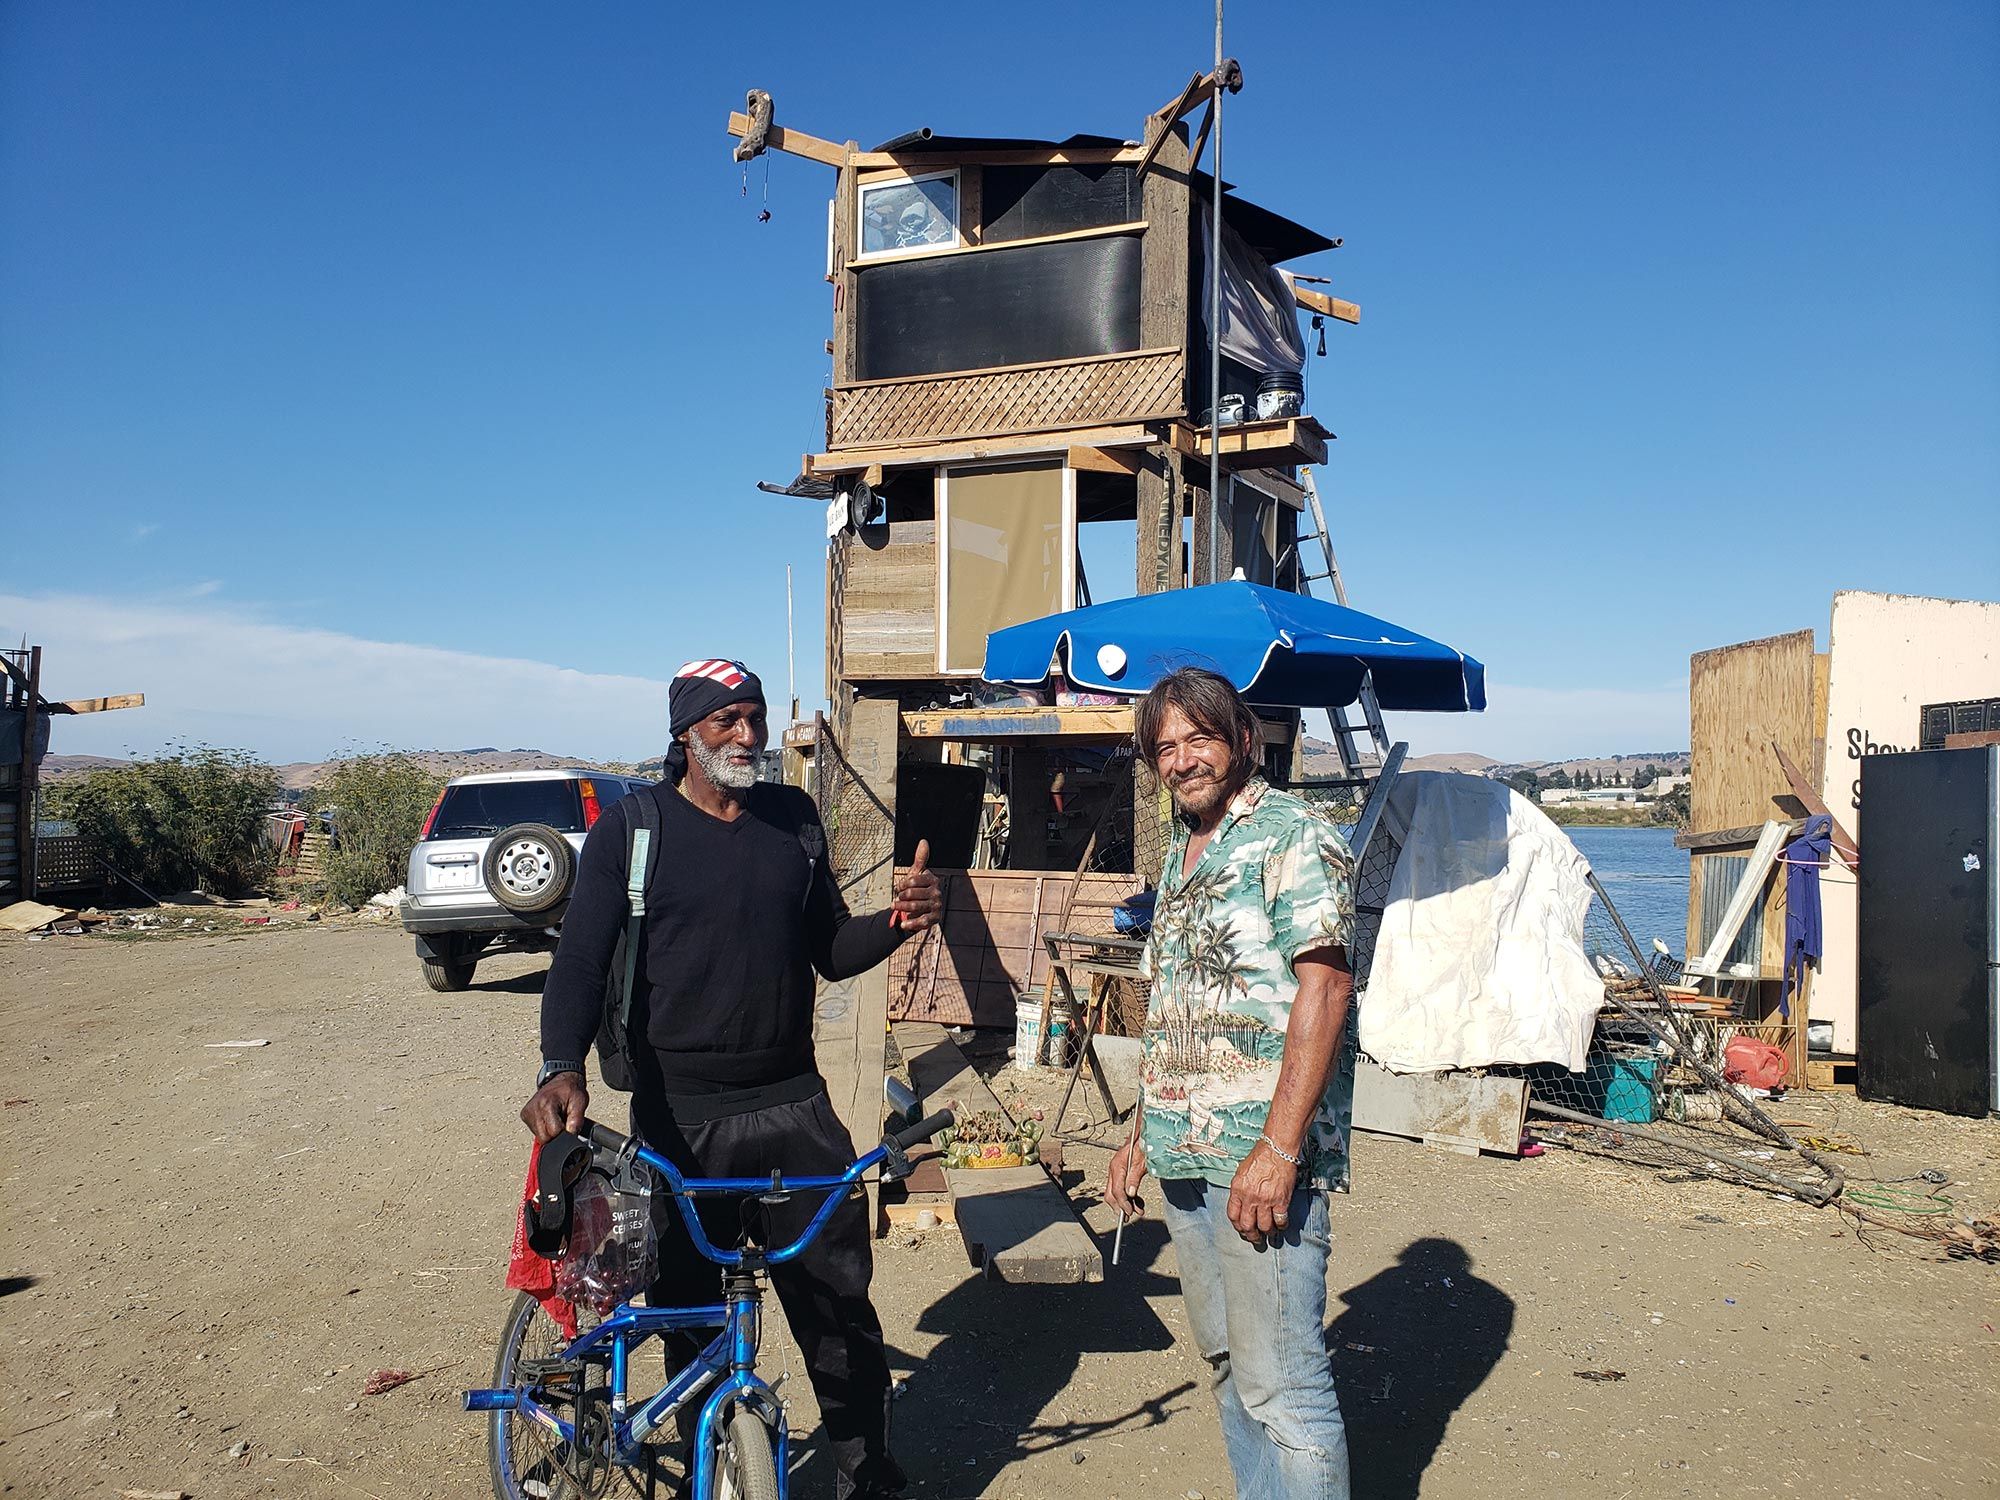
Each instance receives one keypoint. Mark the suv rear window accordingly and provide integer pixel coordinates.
(489, 806)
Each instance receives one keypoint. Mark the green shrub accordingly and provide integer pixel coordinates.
(379, 803)
(192, 818)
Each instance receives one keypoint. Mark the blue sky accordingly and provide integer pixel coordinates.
(379, 373)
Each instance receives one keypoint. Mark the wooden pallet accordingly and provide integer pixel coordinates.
(1834, 1075)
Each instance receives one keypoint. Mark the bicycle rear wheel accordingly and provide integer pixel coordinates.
(527, 1461)
(746, 1468)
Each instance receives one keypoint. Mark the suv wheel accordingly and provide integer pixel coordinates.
(528, 867)
(447, 978)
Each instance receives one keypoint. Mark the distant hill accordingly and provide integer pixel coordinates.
(299, 775)
(1321, 760)
(55, 767)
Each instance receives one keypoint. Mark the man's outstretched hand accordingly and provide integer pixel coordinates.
(917, 905)
(556, 1106)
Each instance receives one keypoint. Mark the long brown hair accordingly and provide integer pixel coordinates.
(1208, 702)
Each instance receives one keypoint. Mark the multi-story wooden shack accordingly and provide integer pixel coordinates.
(1015, 425)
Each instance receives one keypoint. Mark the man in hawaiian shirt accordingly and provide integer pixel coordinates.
(1247, 1086)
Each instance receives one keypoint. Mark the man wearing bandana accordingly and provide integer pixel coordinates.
(741, 911)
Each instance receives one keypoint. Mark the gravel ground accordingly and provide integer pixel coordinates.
(210, 1249)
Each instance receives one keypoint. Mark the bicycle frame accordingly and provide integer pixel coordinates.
(729, 1360)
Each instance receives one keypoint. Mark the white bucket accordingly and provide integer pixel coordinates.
(1031, 1048)
(1028, 1034)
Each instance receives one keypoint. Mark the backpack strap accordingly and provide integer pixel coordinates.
(641, 858)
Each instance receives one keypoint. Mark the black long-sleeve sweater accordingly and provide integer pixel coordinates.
(738, 916)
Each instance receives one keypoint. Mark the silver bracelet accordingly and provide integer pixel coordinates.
(1280, 1152)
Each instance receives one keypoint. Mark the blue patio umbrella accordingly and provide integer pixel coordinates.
(1280, 649)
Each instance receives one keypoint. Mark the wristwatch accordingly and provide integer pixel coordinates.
(554, 1066)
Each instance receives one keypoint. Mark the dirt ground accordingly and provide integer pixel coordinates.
(210, 1246)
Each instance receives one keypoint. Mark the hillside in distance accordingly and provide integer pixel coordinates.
(299, 775)
(1322, 761)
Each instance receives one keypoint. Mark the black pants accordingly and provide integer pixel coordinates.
(824, 1292)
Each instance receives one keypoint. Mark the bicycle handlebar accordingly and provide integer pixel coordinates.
(924, 1129)
(684, 1189)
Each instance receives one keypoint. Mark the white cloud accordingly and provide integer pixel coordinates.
(224, 676)
(1538, 723)
(206, 587)
(142, 531)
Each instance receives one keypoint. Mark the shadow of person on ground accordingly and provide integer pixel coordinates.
(529, 983)
(981, 1399)
(1430, 1333)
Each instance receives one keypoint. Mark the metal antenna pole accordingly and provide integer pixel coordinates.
(1215, 327)
(791, 670)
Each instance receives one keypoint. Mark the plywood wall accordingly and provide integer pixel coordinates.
(991, 953)
(1741, 699)
(887, 605)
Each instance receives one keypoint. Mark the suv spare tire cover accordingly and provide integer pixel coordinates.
(528, 867)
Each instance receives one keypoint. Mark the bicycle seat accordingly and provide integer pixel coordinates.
(546, 1213)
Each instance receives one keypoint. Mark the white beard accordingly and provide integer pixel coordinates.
(719, 766)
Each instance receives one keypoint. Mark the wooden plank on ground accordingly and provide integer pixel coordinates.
(1450, 1109)
(1017, 1224)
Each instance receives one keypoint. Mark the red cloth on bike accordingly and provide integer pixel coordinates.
(528, 1272)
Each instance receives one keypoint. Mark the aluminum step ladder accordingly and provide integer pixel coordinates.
(1354, 761)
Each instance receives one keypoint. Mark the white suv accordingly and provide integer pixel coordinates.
(492, 870)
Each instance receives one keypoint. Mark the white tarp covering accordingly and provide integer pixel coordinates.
(1480, 956)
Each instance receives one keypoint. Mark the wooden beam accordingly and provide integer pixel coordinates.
(918, 159)
(794, 142)
(31, 770)
(1844, 843)
(1160, 123)
(1730, 838)
(1283, 440)
(943, 252)
(905, 455)
(1015, 723)
(99, 705)
(1124, 461)
(851, 1017)
(1330, 307)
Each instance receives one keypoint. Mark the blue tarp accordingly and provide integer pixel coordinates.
(1280, 649)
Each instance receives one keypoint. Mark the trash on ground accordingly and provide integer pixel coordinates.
(1600, 1375)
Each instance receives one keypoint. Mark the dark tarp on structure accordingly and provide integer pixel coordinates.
(927, 315)
(11, 720)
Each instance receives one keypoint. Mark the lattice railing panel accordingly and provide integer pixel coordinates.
(1142, 387)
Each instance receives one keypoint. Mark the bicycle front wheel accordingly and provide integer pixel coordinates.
(527, 1461)
(746, 1468)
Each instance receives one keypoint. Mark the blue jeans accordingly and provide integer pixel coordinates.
(1259, 1319)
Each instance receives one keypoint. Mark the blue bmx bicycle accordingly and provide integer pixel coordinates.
(563, 1424)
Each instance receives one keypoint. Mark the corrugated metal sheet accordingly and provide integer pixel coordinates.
(1720, 874)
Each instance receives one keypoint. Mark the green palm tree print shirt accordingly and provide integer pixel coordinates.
(1275, 881)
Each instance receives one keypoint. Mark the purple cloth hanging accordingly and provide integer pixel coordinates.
(1805, 856)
